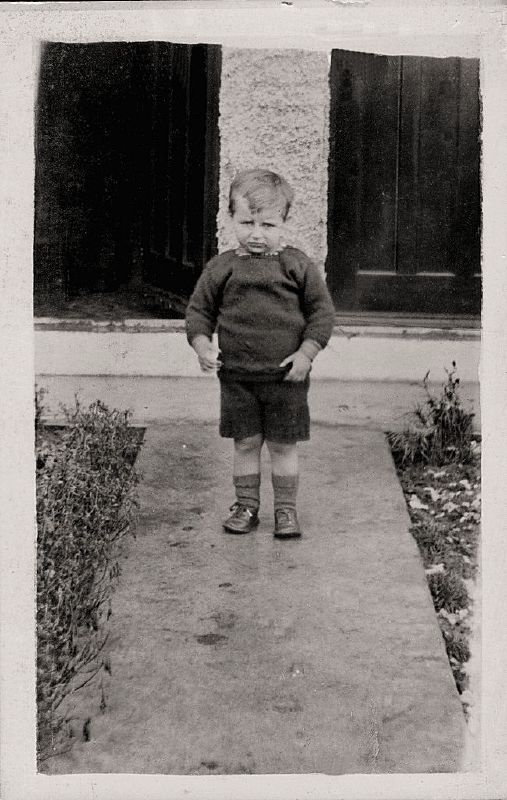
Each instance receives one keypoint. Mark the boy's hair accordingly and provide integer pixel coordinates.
(261, 189)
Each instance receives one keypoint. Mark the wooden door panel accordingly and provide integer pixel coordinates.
(363, 166)
(431, 293)
(428, 164)
(438, 153)
(404, 194)
(344, 219)
(408, 167)
(467, 225)
(379, 162)
(363, 157)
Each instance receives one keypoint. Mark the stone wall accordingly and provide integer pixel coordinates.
(274, 113)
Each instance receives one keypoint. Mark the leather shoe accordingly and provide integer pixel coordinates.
(242, 519)
(286, 524)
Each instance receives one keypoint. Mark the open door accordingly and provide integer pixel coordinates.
(126, 185)
(180, 220)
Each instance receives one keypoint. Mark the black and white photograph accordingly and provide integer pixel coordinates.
(259, 396)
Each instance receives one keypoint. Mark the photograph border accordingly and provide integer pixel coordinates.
(437, 29)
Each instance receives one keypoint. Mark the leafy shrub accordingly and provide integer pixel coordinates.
(442, 432)
(429, 541)
(458, 648)
(448, 592)
(85, 505)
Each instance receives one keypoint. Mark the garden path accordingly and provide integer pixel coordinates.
(250, 655)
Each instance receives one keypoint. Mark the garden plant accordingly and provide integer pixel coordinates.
(86, 502)
(437, 457)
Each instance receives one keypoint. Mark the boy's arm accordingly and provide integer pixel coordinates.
(318, 310)
(301, 360)
(310, 348)
(205, 353)
(201, 316)
(319, 313)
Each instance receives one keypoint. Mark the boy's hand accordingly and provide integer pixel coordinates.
(301, 366)
(208, 361)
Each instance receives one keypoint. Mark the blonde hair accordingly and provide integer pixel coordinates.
(261, 189)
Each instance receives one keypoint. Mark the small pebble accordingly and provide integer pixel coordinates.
(467, 697)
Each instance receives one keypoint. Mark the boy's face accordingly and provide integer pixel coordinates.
(259, 231)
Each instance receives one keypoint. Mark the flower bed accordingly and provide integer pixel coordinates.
(438, 463)
(444, 506)
(85, 505)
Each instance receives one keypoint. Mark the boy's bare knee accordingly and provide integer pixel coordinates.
(280, 448)
(249, 444)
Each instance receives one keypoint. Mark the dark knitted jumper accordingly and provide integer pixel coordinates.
(263, 308)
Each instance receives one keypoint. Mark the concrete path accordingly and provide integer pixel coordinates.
(248, 655)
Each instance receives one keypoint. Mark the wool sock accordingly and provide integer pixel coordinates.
(285, 489)
(248, 490)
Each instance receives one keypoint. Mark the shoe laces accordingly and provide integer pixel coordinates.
(238, 509)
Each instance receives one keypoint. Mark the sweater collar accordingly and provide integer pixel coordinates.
(243, 252)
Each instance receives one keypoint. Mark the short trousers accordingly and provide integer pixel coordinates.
(278, 410)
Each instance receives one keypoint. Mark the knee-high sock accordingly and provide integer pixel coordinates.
(285, 489)
(248, 490)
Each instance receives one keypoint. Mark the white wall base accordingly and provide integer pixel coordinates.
(374, 354)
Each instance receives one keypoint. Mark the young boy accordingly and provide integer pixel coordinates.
(274, 314)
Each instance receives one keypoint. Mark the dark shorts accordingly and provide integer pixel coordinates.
(278, 410)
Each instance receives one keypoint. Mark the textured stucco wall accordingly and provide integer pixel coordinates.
(274, 113)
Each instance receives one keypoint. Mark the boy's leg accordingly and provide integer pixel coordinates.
(284, 459)
(240, 419)
(286, 421)
(284, 466)
(246, 471)
(247, 481)
(247, 455)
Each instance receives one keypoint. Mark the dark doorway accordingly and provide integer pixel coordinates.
(126, 187)
(184, 161)
(404, 186)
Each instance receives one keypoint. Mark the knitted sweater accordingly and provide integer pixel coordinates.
(263, 307)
